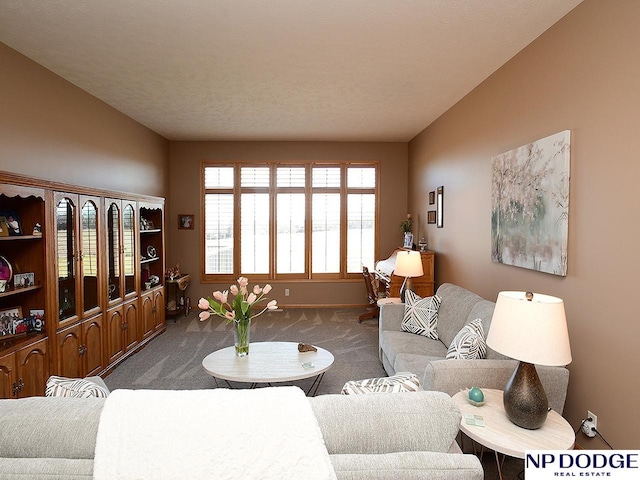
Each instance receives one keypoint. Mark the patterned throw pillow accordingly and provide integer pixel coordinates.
(73, 387)
(421, 315)
(400, 382)
(469, 343)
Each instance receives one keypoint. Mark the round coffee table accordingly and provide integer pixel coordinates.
(503, 436)
(269, 362)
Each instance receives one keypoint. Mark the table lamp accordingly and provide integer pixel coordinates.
(531, 328)
(408, 265)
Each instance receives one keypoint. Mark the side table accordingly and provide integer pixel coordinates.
(502, 436)
(176, 290)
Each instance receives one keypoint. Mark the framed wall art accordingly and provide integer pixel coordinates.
(185, 221)
(529, 225)
(431, 216)
(440, 207)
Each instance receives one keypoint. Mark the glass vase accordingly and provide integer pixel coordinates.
(241, 333)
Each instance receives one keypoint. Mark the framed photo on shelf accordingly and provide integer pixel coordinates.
(10, 320)
(36, 321)
(408, 240)
(185, 221)
(10, 223)
(23, 280)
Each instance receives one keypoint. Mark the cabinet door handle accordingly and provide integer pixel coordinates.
(125, 325)
(16, 389)
(153, 310)
(82, 350)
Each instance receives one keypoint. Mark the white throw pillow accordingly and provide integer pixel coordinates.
(469, 343)
(421, 315)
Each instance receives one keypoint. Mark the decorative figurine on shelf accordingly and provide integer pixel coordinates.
(173, 273)
(37, 230)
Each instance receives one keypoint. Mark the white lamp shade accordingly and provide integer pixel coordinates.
(530, 331)
(408, 264)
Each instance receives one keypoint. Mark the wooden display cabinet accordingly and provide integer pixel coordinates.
(24, 370)
(80, 349)
(152, 310)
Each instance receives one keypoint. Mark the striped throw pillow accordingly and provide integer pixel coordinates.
(73, 387)
(469, 343)
(400, 382)
(421, 315)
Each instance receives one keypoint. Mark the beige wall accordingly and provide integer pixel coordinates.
(580, 75)
(184, 245)
(52, 130)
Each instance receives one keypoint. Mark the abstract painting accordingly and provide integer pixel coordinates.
(530, 205)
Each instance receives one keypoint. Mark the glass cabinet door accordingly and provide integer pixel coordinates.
(65, 242)
(89, 254)
(113, 250)
(129, 248)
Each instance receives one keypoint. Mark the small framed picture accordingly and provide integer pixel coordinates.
(185, 222)
(9, 319)
(36, 320)
(408, 240)
(23, 280)
(432, 198)
(10, 224)
(431, 216)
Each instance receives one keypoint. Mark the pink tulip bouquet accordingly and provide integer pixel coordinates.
(242, 305)
(239, 311)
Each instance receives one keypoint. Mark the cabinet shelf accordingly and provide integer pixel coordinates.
(149, 260)
(21, 237)
(16, 291)
(154, 230)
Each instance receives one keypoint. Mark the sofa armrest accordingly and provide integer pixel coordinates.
(407, 466)
(391, 316)
(451, 376)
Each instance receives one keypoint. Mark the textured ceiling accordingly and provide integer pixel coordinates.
(341, 70)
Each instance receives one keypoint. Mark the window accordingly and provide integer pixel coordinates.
(289, 221)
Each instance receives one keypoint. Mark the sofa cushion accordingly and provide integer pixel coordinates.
(453, 314)
(407, 466)
(421, 315)
(393, 343)
(410, 362)
(469, 343)
(54, 427)
(402, 422)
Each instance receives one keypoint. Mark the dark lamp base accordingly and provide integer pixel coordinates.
(525, 402)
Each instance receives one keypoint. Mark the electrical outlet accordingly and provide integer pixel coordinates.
(589, 425)
(594, 419)
(286, 292)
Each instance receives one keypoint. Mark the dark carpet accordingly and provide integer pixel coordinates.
(174, 359)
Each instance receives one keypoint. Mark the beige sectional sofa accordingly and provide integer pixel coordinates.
(399, 436)
(401, 351)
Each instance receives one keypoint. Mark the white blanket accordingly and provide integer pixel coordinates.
(267, 433)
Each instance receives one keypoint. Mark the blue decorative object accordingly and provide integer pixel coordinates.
(476, 395)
